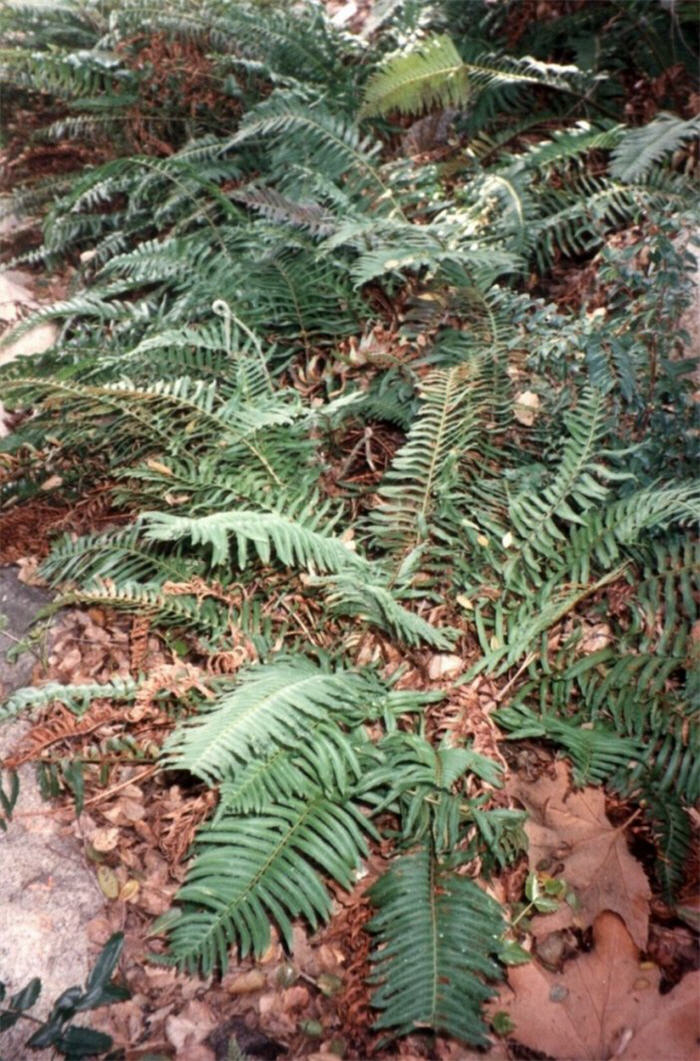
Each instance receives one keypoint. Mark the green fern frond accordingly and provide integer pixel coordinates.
(432, 74)
(605, 532)
(450, 419)
(323, 756)
(251, 870)
(673, 837)
(271, 708)
(295, 543)
(330, 142)
(538, 518)
(120, 555)
(640, 149)
(437, 945)
(596, 753)
(77, 697)
(377, 605)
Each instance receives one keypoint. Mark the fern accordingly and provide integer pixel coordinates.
(437, 945)
(274, 876)
(294, 543)
(449, 421)
(432, 74)
(76, 697)
(209, 365)
(377, 605)
(271, 708)
(640, 149)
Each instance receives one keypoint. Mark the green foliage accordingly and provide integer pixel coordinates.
(430, 75)
(306, 349)
(56, 1032)
(640, 149)
(437, 945)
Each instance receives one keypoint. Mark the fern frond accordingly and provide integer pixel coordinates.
(596, 753)
(673, 837)
(251, 870)
(431, 74)
(449, 421)
(605, 532)
(434, 74)
(295, 543)
(271, 708)
(173, 609)
(437, 944)
(538, 517)
(377, 605)
(272, 204)
(120, 555)
(77, 697)
(330, 142)
(640, 149)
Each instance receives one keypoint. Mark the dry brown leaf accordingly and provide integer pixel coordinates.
(189, 1028)
(105, 839)
(246, 983)
(571, 837)
(604, 1005)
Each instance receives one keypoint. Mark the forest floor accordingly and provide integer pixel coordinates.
(621, 966)
(70, 882)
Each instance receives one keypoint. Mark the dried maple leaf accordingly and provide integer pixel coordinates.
(571, 837)
(604, 1005)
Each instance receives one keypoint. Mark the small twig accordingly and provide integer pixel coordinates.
(122, 784)
(526, 663)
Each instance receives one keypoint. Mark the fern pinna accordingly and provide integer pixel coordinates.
(307, 353)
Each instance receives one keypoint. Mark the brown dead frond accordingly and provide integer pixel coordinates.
(177, 679)
(63, 726)
(138, 642)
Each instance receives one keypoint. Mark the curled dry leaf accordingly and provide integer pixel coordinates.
(604, 1005)
(571, 837)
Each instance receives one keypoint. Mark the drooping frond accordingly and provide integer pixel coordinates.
(437, 944)
(250, 870)
(596, 753)
(294, 542)
(640, 149)
(350, 594)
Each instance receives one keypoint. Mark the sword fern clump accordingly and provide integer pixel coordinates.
(306, 353)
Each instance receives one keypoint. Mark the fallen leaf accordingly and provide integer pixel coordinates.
(108, 882)
(246, 983)
(105, 839)
(129, 891)
(603, 1005)
(571, 837)
(526, 407)
(445, 666)
(190, 1027)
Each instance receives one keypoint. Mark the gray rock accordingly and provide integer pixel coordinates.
(47, 892)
